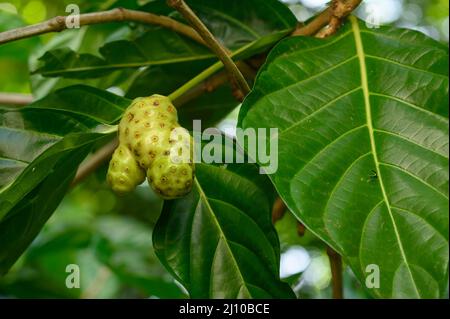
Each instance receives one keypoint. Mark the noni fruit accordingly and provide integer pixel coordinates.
(158, 146)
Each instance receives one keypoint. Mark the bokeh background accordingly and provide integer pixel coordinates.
(110, 237)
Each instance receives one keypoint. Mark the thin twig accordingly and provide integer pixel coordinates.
(211, 41)
(340, 10)
(314, 25)
(15, 99)
(95, 161)
(331, 17)
(58, 24)
(336, 273)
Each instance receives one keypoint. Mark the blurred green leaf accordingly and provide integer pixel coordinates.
(41, 147)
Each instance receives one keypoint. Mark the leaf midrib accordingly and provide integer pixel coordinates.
(368, 110)
(222, 235)
(124, 65)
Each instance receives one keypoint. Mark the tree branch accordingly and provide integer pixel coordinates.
(58, 24)
(340, 9)
(95, 161)
(336, 273)
(331, 17)
(213, 44)
(15, 99)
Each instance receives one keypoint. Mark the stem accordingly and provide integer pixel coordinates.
(212, 42)
(332, 17)
(58, 24)
(315, 25)
(95, 161)
(336, 273)
(203, 75)
(15, 99)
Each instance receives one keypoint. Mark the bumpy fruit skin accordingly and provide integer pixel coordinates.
(170, 180)
(124, 173)
(149, 135)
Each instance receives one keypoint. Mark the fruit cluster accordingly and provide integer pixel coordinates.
(152, 144)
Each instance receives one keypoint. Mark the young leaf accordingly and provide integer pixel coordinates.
(363, 147)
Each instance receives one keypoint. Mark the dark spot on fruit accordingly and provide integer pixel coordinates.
(136, 121)
(162, 125)
(137, 135)
(156, 103)
(127, 131)
(167, 153)
(147, 124)
(164, 179)
(155, 138)
(130, 117)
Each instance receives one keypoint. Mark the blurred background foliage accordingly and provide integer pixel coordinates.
(110, 237)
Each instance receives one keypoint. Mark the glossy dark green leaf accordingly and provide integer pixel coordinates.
(219, 241)
(363, 149)
(262, 26)
(41, 146)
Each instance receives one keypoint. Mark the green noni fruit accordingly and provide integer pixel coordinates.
(149, 134)
(170, 180)
(124, 173)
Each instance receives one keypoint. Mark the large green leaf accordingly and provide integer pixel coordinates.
(363, 149)
(219, 241)
(41, 147)
(261, 26)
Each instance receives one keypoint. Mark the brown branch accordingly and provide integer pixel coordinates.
(336, 273)
(331, 18)
(15, 99)
(58, 24)
(314, 25)
(278, 210)
(213, 44)
(95, 161)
